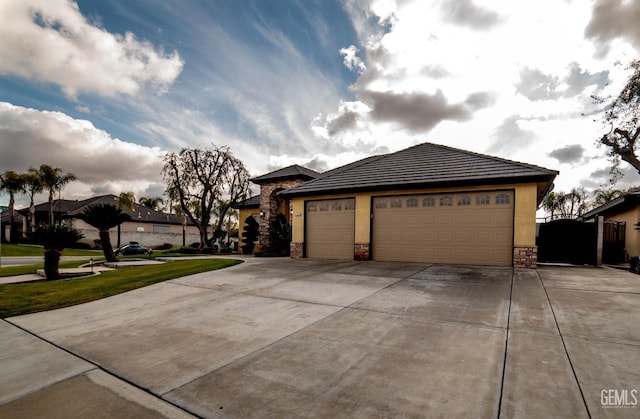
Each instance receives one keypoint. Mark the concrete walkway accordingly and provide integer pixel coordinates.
(303, 338)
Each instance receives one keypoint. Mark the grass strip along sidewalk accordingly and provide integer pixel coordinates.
(25, 298)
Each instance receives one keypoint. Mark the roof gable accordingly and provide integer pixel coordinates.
(615, 206)
(294, 171)
(424, 165)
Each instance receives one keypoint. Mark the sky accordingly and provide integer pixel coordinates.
(104, 89)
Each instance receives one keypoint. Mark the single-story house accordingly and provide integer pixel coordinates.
(427, 203)
(623, 209)
(147, 227)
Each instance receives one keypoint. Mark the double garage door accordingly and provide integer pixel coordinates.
(459, 228)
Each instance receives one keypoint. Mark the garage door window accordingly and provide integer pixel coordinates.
(381, 203)
(412, 203)
(429, 202)
(446, 201)
(464, 200)
(483, 200)
(503, 198)
(396, 203)
(312, 208)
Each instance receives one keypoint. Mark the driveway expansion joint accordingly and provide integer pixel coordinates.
(564, 346)
(97, 367)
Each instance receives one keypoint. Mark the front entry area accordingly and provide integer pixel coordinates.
(458, 228)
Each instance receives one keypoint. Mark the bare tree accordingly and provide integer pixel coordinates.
(622, 116)
(198, 178)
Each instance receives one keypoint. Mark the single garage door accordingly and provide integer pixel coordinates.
(461, 228)
(330, 229)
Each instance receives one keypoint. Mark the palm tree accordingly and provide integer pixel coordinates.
(151, 202)
(125, 200)
(602, 196)
(33, 185)
(54, 238)
(552, 203)
(104, 217)
(53, 180)
(12, 183)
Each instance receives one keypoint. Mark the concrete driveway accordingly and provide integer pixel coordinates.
(304, 338)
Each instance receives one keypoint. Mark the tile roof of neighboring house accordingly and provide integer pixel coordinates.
(294, 171)
(421, 166)
(618, 204)
(252, 202)
(140, 214)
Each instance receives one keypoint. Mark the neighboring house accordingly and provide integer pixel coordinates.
(147, 227)
(624, 209)
(427, 203)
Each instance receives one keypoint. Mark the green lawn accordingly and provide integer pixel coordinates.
(24, 250)
(18, 299)
(31, 269)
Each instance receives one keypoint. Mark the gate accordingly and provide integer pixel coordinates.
(568, 241)
(613, 242)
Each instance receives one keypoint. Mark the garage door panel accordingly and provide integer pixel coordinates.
(477, 228)
(330, 229)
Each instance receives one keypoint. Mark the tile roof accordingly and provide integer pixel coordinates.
(251, 202)
(71, 208)
(618, 204)
(294, 171)
(420, 166)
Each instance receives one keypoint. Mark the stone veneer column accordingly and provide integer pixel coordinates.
(269, 207)
(297, 250)
(525, 257)
(361, 251)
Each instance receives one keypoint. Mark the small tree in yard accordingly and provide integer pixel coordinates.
(104, 217)
(198, 179)
(280, 232)
(54, 238)
(250, 235)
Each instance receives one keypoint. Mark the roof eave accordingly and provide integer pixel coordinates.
(291, 193)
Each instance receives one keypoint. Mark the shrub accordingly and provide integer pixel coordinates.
(250, 235)
(633, 265)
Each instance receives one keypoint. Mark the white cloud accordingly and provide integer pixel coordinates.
(493, 76)
(29, 138)
(51, 41)
(614, 19)
(351, 59)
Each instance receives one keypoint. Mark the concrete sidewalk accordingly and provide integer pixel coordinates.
(304, 338)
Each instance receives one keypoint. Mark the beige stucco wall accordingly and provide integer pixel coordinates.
(142, 233)
(632, 237)
(524, 228)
